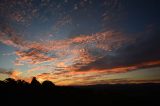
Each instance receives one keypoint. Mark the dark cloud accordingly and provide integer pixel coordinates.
(5, 71)
(145, 48)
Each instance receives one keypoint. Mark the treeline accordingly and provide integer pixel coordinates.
(11, 83)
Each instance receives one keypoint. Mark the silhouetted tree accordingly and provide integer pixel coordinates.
(22, 83)
(48, 84)
(2, 83)
(35, 83)
(10, 82)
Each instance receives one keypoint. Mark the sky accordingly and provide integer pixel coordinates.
(80, 42)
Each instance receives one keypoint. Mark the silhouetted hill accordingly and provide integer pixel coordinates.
(19, 92)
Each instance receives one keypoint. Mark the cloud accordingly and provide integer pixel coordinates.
(32, 57)
(37, 68)
(144, 49)
(78, 51)
(90, 78)
(61, 22)
(10, 37)
(24, 16)
(11, 73)
(16, 74)
(85, 52)
(5, 71)
(118, 81)
(73, 52)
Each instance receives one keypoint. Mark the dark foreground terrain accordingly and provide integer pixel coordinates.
(21, 93)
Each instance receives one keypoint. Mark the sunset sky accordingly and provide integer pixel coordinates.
(80, 42)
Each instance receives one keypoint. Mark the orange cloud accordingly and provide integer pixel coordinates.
(93, 76)
(11, 73)
(74, 48)
(127, 68)
(15, 74)
(32, 57)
